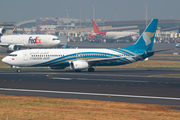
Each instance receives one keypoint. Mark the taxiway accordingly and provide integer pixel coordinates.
(150, 86)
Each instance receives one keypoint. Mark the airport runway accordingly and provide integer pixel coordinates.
(150, 86)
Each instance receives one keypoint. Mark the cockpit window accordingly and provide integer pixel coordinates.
(14, 55)
(56, 39)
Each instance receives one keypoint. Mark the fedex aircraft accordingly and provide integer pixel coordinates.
(80, 59)
(111, 35)
(15, 42)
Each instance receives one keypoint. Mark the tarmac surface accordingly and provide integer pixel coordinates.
(149, 86)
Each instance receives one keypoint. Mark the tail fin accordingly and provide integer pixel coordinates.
(2, 31)
(66, 47)
(146, 40)
(96, 28)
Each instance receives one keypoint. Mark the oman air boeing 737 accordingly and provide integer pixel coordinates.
(15, 42)
(80, 59)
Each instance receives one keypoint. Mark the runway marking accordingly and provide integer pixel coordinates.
(84, 74)
(93, 94)
(96, 79)
(164, 75)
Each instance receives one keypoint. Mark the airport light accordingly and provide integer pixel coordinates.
(80, 17)
(94, 11)
(146, 13)
(67, 17)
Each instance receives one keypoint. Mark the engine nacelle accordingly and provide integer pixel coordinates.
(56, 67)
(78, 65)
(2, 31)
(13, 47)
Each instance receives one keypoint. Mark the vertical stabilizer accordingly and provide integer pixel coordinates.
(96, 28)
(2, 31)
(146, 40)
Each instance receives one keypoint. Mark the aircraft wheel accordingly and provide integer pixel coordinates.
(18, 71)
(91, 70)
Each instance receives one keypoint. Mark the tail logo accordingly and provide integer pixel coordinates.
(147, 37)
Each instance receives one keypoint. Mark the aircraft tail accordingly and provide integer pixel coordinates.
(2, 31)
(146, 40)
(96, 28)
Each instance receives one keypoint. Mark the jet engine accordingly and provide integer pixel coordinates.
(13, 47)
(2, 31)
(78, 65)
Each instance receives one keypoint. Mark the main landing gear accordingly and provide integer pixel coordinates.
(18, 70)
(90, 69)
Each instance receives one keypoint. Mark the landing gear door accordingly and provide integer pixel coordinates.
(25, 56)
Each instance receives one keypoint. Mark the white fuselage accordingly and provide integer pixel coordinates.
(119, 35)
(31, 41)
(62, 57)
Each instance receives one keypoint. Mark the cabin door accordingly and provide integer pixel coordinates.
(25, 56)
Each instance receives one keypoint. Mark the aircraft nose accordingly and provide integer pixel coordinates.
(58, 42)
(4, 60)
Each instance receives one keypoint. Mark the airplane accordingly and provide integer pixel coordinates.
(16, 42)
(81, 59)
(112, 35)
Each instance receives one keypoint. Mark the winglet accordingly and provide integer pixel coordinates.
(178, 45)
(66, 47)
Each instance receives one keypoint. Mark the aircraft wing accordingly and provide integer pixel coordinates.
(154, 51)
(7, 44)
(4, 44)
(107, 60)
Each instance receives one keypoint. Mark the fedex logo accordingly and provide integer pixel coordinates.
(34, 41)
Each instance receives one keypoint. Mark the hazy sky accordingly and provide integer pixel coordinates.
(10, 10)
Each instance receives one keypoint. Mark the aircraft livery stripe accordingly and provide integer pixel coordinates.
(124, 60)
(76, 54)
